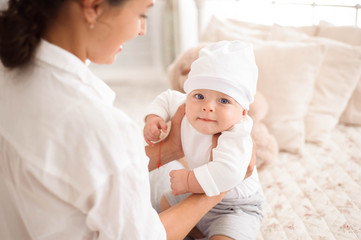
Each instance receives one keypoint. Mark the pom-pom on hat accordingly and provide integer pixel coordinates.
(228, 67)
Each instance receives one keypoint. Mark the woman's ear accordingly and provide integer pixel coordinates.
(92, 9)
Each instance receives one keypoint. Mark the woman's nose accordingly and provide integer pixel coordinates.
(143, 27)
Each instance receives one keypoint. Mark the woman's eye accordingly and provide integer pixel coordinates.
(223, 101)
(144, 16)
(199, 96)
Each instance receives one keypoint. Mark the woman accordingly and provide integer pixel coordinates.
(73, 166)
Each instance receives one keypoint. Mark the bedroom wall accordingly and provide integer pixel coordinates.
(142, 58)
(288, 12)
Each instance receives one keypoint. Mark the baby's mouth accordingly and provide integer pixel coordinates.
(206, 120)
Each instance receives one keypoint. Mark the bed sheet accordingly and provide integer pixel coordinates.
(317, 195)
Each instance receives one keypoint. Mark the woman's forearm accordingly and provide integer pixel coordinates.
(180, 219)
(171, 147)
(165, 152)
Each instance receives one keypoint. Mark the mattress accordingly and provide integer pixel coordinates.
(316, 195)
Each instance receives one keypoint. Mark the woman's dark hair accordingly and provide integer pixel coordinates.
(22, 25)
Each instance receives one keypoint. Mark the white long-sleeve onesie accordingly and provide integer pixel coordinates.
(230, 158)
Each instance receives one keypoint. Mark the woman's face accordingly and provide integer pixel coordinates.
(115, 26)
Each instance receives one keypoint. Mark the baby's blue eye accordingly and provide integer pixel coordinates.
(223, 101)
(199, 96)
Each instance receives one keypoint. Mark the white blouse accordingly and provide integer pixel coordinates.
(72, 166)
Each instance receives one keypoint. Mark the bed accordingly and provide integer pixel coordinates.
(311, 78)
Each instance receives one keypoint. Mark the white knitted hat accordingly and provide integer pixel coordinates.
(228, 67)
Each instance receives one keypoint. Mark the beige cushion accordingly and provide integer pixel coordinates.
(287, 73)
(339, 74)
(347, 34)
(352, 113)
(337, 80)
(350, 35)
(285, 34)
(217, 28)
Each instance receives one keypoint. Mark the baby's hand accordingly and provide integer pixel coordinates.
(154, 125)
(179, 181)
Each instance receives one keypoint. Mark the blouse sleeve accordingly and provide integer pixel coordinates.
(107, 177)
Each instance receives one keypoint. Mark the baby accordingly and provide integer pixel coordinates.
(220, 87)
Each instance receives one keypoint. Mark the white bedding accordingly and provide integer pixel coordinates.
(318, 195)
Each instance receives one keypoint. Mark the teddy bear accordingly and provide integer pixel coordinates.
(266, 144)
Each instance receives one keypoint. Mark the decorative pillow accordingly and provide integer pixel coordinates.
(223, 34)
(285, 34)
(233, 28)
(239, 23)
(350, 35)
(347, 34)
(217, 27)
(287, 73)
(339, 74)
(352, 113)
(303, 31)
(309, 30)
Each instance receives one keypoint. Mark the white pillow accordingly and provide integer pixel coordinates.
(352, 113)
(258, 26)
(217, 27)
(287, 73)
(285, 34)
(347, 34)
(309, 30)
(335, 83)
(350, 35)
(339, 74)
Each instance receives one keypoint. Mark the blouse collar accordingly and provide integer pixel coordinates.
(67, 62)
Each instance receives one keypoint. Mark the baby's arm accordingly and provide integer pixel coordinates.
(154, 125)
(184, 181)
(230, 160)
(159, 112)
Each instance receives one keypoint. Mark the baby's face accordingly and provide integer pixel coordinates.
(211, 112)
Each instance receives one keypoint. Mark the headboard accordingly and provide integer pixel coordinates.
(286, 12)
